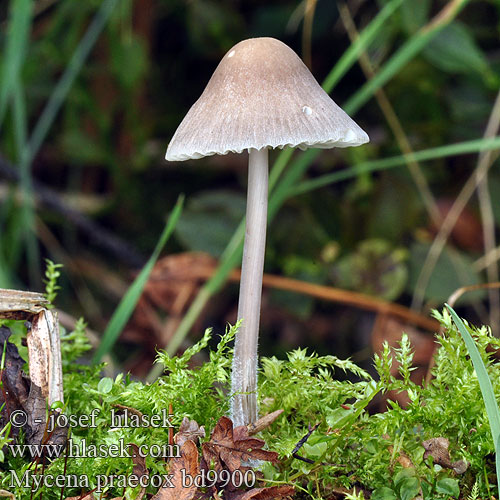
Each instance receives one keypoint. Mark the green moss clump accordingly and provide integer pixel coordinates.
(380, 453)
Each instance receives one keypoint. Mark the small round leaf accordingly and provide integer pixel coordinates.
(105, 385)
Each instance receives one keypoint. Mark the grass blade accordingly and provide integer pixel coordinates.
(406, 53)
(409, 50)
(18, 32)
(397, 161)
(65, 83)
(283, 185)
(11, 86)
(343, 65)
(131, 297)
(489, 399)
(27, 229)
(366, 37)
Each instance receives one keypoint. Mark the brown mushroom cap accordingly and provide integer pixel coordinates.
(262, 95)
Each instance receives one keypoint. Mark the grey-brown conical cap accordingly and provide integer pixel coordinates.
(262, 95)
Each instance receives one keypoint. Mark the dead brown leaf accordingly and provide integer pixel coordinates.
(189, 430)
(15, 386)
(185, 465)
(272, 493)
(20, 394)
(233, 450)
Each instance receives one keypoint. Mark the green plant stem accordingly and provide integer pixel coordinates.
(392, 120)
(129, 300)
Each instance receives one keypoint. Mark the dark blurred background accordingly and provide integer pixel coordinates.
(83, 180)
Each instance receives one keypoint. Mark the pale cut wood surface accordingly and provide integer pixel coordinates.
(17, 304)
(44, 349)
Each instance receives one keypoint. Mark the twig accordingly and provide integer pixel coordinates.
(346, 297)
(263, 422)
(303, 459)
(97, 234)
(201, 267)
(444, 16)
(485, 161)
(299, 445)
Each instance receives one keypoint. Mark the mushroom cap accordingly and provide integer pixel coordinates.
(262, 95)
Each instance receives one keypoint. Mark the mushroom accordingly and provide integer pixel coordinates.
(261, 96)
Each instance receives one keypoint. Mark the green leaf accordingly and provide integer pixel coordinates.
(453, 270)
(415, 14)
(448, 486)
(130, 61)
(338, 416)
(209, 220)
(427, 491)
(384, 493)
(402, 475)
(454, 50)
(409, 488)
(131, 297)
(105, 385)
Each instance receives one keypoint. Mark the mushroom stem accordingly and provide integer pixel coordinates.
(244, 371)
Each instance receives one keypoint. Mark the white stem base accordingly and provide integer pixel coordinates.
(244, 373)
